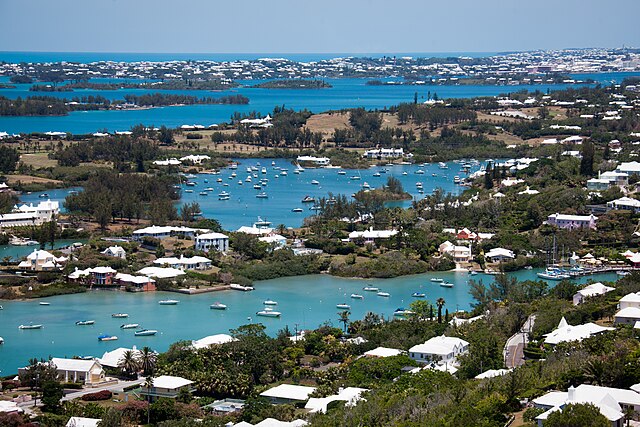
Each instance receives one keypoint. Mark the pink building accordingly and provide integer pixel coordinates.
(571, 222)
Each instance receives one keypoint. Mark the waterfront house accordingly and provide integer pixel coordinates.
(212, 241)
(30, 215)
(591, 290)
(166, 386)
(439, 349)
(113, 358)
(276, 240)
(102, 275)
(612, 402)
(136, 283)
(83, 422)
(185, 263)
(316, 161)
(255, 230)
(288, 393)
(162, 232)
(499, 255)
(210, 340)
(115, 251)
(571, 222)
(196, 159)
(87, 372)
(41, 260)
(458, 253)
(383, 352)
(161, 272)
(371, 235)
(567, 333)
(386, 153)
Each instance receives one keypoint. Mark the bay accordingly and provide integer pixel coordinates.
(305, 302)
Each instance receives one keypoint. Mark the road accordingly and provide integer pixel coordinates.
(120, 384)
(514, 348)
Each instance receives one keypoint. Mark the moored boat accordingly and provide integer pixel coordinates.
(270, 302)
(296, 210)
(418, 295)
(145, 333)
(436, 279)
(370, 289)
(45, 303)
(168, 302)
(238, 287)
(446, 284)
(357, 296)
(402, 312)
(308, 199)
(343, 306)
(383, 294)
(107, 337)
(218, 306)
(129, 326)
(85, 322)
(30, 326)
(119, 315)
(267, 312)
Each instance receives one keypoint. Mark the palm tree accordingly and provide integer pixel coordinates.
(344, 319)
(129, 363)
(147, 359)
(440, 302)
(148, 384)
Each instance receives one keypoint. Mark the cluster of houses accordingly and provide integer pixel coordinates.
(27, 215)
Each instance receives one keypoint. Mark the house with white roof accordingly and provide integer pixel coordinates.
(383, 352)
(161, 232)
(113, 358)
(185, 263)
(255, 230)
(349, 395)
(457, 252)
(567, 333)
(136, 283)
(196, 159)
(624, 203)
(630, 300)
(317, 161)
(83, 422)
(9, 407)
(612, 402)
(627, 316)
(210, 340)
(386, 153)
(167, 162)
(212, 241)
(571, 222)
(499, 254)
(629, 168)
(272, 422)
(79, 371)
(371, 235)
(275, 240)
(41, 260)
(439, 349)
(115, 251)
(591, 290)
(161, 272)
(288, 393)
(492, 373)
(166, 386)
(29, 215)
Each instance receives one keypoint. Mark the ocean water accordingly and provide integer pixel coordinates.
(305, 301)
(345, 93)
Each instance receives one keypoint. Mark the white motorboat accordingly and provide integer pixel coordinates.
(129, 326)
(418, 295)
(383, 294)
(45, 303)
(1, 340)
(145, 333)
(30, 326)
(296, 210)
(314, 182)
(402, 312)
(308, 199)
(267, 312)
(85, 322)
(446, 284)
(262, 195)
(342, 172)
(107, 337)
(437, 279)
(218, 306)
(119, 315)
(270, 302)
(343, 306)
(238, 287)
(357, 296)
(370, 289)
(168, 302)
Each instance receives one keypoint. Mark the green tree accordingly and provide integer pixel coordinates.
(577, 414)
(343, 317)
(147, 359)
(52, 392)
(588, 154)
(129, 364)
(8, 159)
(440, 302)
(420, 308)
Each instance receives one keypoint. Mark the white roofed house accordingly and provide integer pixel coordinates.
(567, 333)
(571, 222)
(625, 203)
(83, 422)
(136, 283)
(185, 263)
(611, 402)
(79, 371)
(166, 386)
(29, 215)
(113, 358)
(499, 255)
(457, 252)
(591, 290)
(371, 235)
(41, 260)
(440, 349)
(115, 251)
(212, 241)
(275, 240)
(288, 393)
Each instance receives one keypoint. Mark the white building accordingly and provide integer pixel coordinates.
(571, 222)
(625, 203)
(457, 252)
(383, 352)
(567, 333)
(167, 386)
(185, 263)
(79, 371)
(217, 339)
(349, 395)
(371, 235)
(212, 241)
(113, 358)
(115, 251)
(161, 232)
(629, 168)
(627, 316)
(288, 393)
(499, 254)
(630, 300)
(318, 161)
(591, 290)
(83, 422)
(161, 272)
(385, 153)
(41, 260)
(29, 215)
(439, 349)
(195, 158)
(611, 402)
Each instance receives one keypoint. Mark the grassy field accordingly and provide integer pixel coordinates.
(38, 160)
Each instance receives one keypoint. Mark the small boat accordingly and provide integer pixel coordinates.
(357, 296)
(208, 189)
(190, 184)
(218, 306)
(168, 302)
(1, 340)
(343, 306)
(129, 326)
(354, 177)
(203, 193)
(188, 191)
(419, 172)
(456, 179)
(366, 185)
(85, 322)
(446, 284)
(119, 315)
(405, 173)
(370, 289)
(283, 172)
(107, 337)
(342, 172)
(418, 295)
(377, 174)
(219, 180)
(224, 197)
(257, 187)
(308, 199)
(30, 326)
(145, 333)
(264, 171)
(45, 303)
(314, 182)
(383, 294)
(296, 210)
(442, 165)
(224, 194)
(437, 279)
(262, 195)
(268, 313)
(270, 302)
(43, 195)
(474, 273)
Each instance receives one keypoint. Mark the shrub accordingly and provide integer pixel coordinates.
(98, 395)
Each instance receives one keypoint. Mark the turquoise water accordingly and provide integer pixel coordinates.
(345, 93)
(307, 301)
(17, 252)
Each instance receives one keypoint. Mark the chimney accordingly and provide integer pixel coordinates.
(571, 395)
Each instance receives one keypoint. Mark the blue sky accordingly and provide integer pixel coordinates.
(302, 26)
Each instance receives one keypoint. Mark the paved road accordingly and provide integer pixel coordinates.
(514, 348)
(120, 384)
